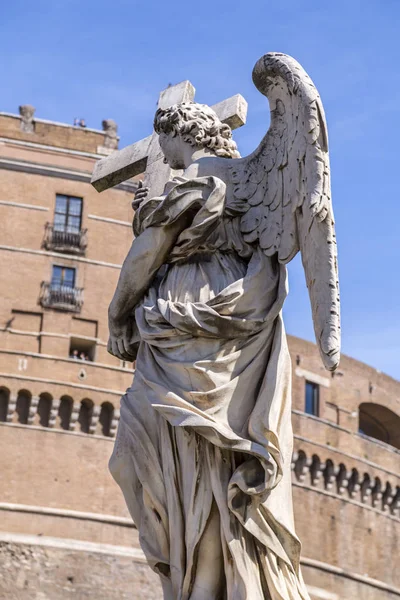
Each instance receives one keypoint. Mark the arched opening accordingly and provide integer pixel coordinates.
(341, 479)
(376, 492)
(300, 467)
(65, 411)
(379, 422)
(366, 488)
(4, 400)
(316, 469)
(387, 497)
(353, 483)
(106, 416)
(329, 474)
(22, 407)
(43, 409)
(85, 415)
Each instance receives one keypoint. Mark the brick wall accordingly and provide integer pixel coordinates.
(52, 134)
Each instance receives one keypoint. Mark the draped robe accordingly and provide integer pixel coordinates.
(205, 427)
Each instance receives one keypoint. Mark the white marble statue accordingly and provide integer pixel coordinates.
(204, 445)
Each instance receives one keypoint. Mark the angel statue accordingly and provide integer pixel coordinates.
(204, 446)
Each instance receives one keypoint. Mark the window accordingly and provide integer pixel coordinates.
(82, 349)
(312, 398)
(63, 276)
(60, 293)
(68, 214)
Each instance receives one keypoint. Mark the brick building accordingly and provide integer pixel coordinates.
(64, 529)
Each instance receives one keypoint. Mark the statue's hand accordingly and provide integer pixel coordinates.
(120, 342)
(140, 195)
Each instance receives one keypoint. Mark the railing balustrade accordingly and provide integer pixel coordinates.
(60, 240)
(347, 482)
(62, 297)
(63, 413)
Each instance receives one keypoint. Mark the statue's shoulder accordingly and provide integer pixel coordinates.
(212, 166)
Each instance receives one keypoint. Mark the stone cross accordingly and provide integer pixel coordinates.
(146, 155)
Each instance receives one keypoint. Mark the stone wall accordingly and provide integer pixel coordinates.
(26, 263)
(35, 339)
(346, 540)
(323, 584)
(341, 392)
(50, 569)
(60, 572)
(51, 469)
(52, 134)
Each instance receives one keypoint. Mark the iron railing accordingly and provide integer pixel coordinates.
(62, 297)
(65, 241)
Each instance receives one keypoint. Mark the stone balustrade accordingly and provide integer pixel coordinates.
(349, 482)
(59, 413)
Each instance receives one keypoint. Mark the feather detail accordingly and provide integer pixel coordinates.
(252, 219)
(286, 184)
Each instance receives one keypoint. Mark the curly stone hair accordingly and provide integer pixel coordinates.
(199, 126)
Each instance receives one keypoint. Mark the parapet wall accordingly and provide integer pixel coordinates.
(53, 469)
(48, 133)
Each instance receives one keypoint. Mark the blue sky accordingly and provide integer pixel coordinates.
(102, 59)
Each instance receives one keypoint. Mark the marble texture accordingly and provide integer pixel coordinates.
(204, 445)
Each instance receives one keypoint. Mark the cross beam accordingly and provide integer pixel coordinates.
(146, 155)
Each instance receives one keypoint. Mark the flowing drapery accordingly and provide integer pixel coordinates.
(205, 437)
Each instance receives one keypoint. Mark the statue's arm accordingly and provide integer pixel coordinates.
(147, 254)
(194, 204)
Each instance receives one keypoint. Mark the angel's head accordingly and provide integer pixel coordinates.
(187, 127)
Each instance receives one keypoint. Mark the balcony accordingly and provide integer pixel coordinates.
(61, 297)
(59, 240)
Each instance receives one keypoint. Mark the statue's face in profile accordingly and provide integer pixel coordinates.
(173, 149)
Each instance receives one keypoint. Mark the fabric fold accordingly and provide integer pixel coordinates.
(207, 419)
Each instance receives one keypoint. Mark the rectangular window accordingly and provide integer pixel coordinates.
(62, 276)
(81, 349)
(312, 398)
(68, 214)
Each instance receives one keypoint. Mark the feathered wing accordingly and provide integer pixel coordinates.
(286, 182)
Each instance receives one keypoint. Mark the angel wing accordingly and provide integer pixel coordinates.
(286, 182)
